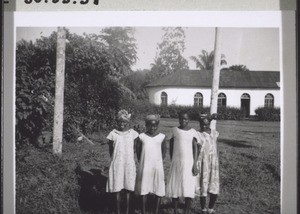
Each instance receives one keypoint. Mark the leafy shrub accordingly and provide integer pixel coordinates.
(93, 94)
(34, 87)
(141, 108)
(230, 113)
(268, 114)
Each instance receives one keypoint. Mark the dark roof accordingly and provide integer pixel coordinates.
(228, 79)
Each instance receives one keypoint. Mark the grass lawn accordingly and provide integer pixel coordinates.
(249, 154)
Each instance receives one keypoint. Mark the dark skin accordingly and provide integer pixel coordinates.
(183, 124)
(151, 131)
(122, 126)
(205, 127)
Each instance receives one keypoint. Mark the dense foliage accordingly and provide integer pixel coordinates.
(141, 108)
(94, 65)
(268, 114)
(34, 87)
(136, 82)
(236, 68)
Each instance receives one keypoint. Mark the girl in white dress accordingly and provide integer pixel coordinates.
(208, 164)
(150, 153)
(183, 153)
(122, 170)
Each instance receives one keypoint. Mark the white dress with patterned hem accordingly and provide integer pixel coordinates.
(208, 164)
(181, 181)
(150, 173)
(122, 170)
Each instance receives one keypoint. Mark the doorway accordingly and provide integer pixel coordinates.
(245, 104)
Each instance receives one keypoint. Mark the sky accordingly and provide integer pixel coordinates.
(257, 48)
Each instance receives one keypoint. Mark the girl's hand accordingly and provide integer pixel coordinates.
(195, 170)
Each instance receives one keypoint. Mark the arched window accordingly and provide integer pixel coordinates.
(198, 100)
(269, 101)
(164, 98)
(222, 100)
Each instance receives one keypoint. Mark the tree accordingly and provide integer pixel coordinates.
(93, 93)
(238, 68)
(136, 82)
(205, 60)
(169, 58)
(122, 44)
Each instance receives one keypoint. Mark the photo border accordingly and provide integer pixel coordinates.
(284, 20)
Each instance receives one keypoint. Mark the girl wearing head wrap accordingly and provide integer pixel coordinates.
(208, 164)
(122, 170)
(150, 153)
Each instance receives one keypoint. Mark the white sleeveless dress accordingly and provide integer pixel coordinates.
(122, 170)
(150, 173)
(181, 181)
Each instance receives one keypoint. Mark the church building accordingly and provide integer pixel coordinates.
(247, 90)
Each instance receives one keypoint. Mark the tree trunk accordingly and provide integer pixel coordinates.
(59, 91)
(216, 77)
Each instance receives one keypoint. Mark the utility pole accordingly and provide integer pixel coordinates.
(216, 77)
(59, 92)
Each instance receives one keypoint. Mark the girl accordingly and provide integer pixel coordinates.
(183, 153)
(150, 154)
(208, 163)
(122, 171)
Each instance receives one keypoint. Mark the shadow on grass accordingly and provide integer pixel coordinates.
(251, 157)
(236, 143)
(273, 171)
(92, 195)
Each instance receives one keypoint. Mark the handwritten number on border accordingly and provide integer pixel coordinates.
(83, 2)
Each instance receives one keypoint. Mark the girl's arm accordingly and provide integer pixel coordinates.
(139, 146)
(163, 148)
(110, 147)
(195, 156)
(171, 147)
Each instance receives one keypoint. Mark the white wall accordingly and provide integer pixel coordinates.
(185, 96)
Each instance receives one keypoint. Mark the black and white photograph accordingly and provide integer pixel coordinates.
(146, 119)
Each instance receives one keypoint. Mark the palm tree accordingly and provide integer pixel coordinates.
(205, 60)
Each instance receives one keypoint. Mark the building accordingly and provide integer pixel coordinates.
(247, 90)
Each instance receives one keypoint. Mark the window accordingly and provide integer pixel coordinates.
(222, 100)
(198, 100)
(269, 101)
(164, 98)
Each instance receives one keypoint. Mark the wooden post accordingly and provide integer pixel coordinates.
(216, 77)
(59, 91)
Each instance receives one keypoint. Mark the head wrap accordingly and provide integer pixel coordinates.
(203, 115)
(124, 115)
(155, 117)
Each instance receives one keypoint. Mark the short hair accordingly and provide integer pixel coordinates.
(183, 112)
